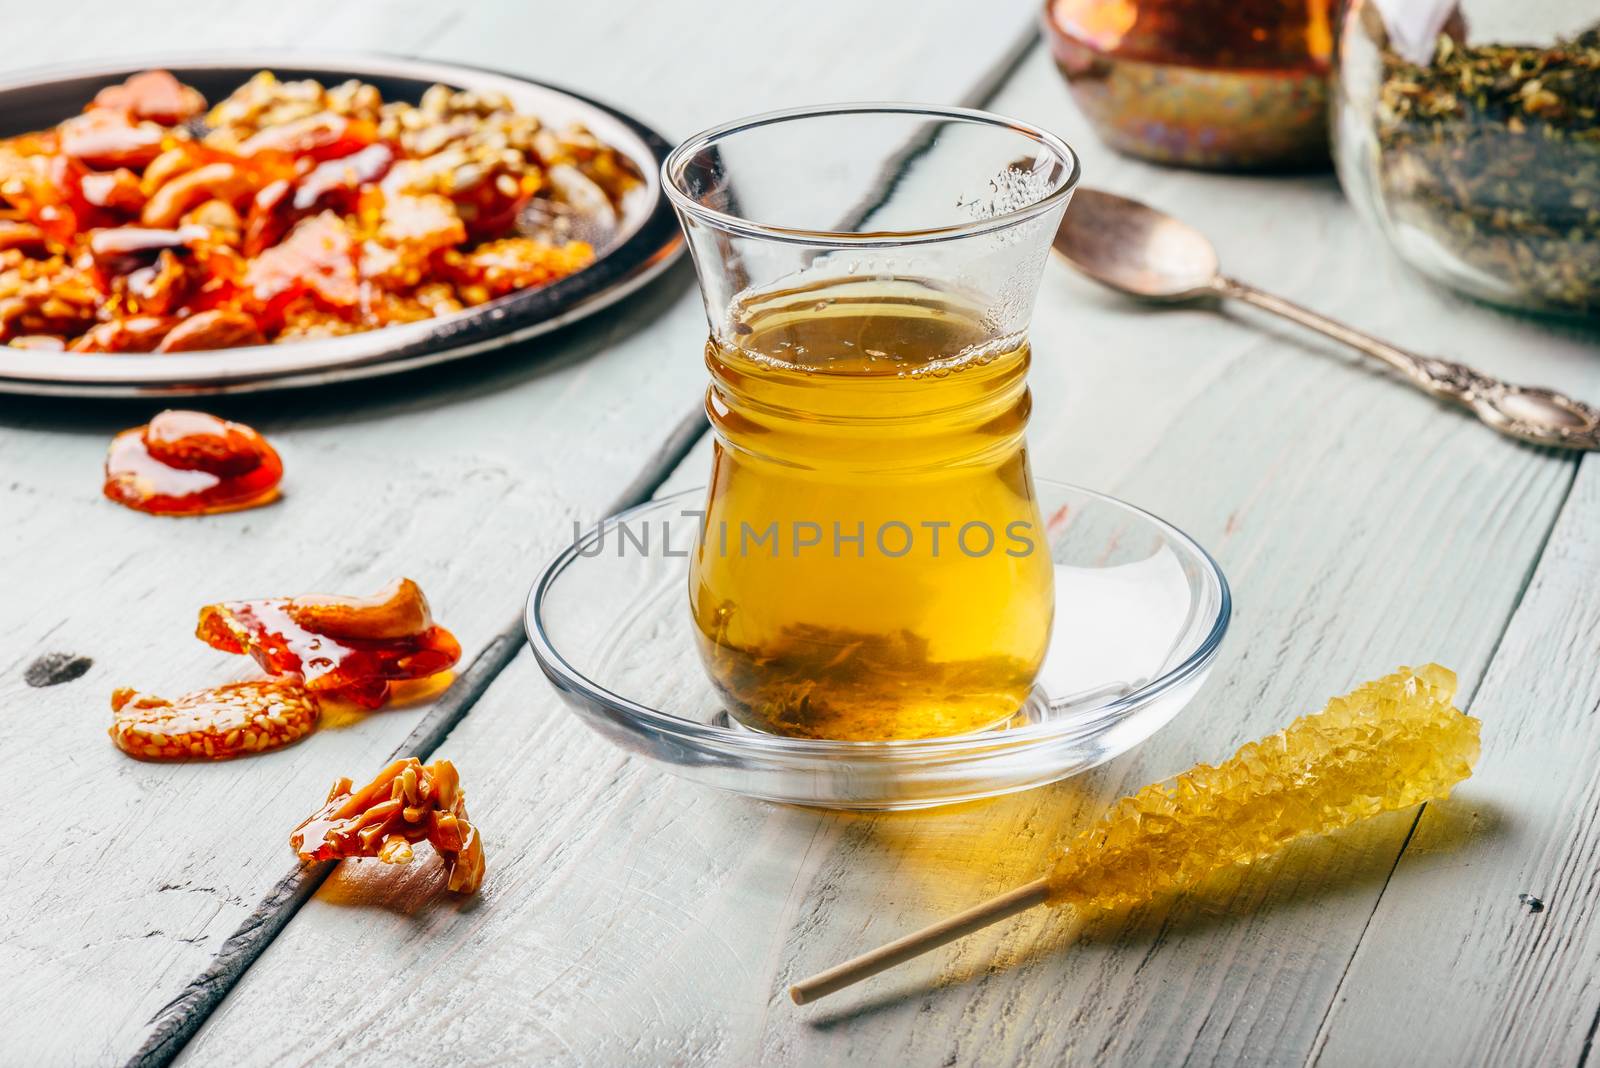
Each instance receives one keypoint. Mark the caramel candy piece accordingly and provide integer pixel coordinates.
(191, 463)
(316, 259)
(216, 724)
(155, 95)
(354, 646)
(496, 268)
(397, 612)
(209, 330)
(106, 139)
(136, 333)
(122, 250)
(408, 802)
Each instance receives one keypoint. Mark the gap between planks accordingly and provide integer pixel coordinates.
(180, 1019)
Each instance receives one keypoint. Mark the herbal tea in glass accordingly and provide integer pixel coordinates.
(872, 562)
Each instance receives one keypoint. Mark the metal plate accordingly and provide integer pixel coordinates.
(647, 240)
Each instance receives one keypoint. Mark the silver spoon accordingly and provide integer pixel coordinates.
(1136, 249)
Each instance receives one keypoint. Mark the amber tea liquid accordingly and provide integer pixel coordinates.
(872, 561)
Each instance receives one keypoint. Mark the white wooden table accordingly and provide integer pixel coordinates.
(629, 918)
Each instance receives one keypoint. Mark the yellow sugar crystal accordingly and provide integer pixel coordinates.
(1391, 744)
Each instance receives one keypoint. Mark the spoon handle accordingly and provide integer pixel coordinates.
(1539, 416)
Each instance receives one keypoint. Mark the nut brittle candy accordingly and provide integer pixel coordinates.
(191, 463)
(408, 802)
(290, 210)
(216, 724)
(1392, 743)
(351, 646)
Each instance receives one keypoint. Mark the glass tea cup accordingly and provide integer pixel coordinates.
(871, 562)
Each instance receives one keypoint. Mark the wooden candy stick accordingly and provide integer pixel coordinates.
(917, 943)
(1391, 744)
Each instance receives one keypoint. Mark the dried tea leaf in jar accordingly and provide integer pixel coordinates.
(1479, 156)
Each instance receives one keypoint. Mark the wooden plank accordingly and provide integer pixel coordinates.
(631, 917)
(1483, 948)
(129, 877)
(45, 35)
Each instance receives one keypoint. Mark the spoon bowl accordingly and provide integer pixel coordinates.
(1136, 249)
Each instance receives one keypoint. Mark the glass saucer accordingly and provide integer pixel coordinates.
(1140, 613)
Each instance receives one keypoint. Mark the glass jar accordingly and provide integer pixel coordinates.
(1469, 133)
(1200, 83)
(872, 561)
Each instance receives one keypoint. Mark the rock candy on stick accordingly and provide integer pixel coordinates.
(1391, 744)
